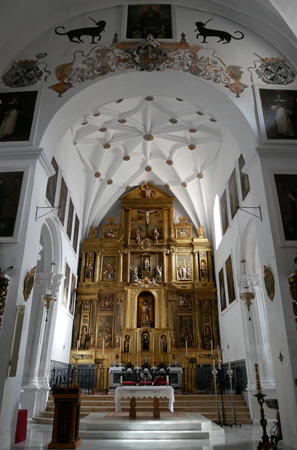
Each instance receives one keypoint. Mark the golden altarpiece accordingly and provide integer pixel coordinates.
(146, 290)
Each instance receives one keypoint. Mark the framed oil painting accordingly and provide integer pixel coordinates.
(185, 302)
(269, 283)
(244, 178)
(62, 201)
(11, 197)
(75, 234)
(16, 115)
(224, 212)
(106, 301)
(230, 280)
(277, 113)
(66, 286)
(142, 20)
(186, 330)
(52, 183)
(105, 330)
(222, 290)
(72, 294)
(184, 268)
(233, 194)
(108, 268)
(70, 219)
(286, 187)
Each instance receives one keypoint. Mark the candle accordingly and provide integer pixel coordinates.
(103, 342)
(167, 380)
(120, 343)
(213, 364)
(186, 348)
(211, 347)
(121, 380)
(130, 345)
(229, 363)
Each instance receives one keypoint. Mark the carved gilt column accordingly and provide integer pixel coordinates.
(198, 315)
(76, 322)
(94, 307)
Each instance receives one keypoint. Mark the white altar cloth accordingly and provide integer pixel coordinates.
(144, 392)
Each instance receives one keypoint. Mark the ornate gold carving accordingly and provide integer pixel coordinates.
(93, 232)
(29, 283)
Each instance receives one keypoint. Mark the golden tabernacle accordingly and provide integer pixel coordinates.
(146, 290)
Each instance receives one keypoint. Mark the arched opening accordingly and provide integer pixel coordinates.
(145, 310)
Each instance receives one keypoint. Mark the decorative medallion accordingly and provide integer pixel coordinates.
(29, 283)
(122, 121)
(173, 121)
(109, 181)
(213, 120)
(107, 145)
(126, 157)
(169, 162)
(275, 71)
(103, 129)
(84, 122)
(200, 113)
(192, 130)
(97, 174)
(200, 175)
(179, 99)
(184, 184)
(167, 185)
(149, 99)
(74, 142)
(269, 283)
(119, 100)
(191, 147)
(149, 55)
(146, 244)
(148, 137)
(128, 188)
(96, 114)
(23, 74)
(148, 168)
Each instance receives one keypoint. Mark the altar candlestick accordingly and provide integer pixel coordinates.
(77, 345)
(169, 345)
(211, 347)
(120, 343)
(186, 348)
(103, 342)
(167, 380)
(121, 380)
(213, 364)
(229, 363)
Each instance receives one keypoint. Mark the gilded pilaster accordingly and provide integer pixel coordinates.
(76, 322)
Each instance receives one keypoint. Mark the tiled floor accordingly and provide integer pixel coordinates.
(236, 438)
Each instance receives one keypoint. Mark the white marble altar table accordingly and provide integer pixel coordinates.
(134, 392)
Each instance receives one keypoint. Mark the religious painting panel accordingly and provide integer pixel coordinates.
(109, 268)
(106, 301)
(10, 193)
(146, 224)
(186, 330)
(286, 186)
(277, 113)
(185, 302)
(86, 306)
(72, 294)
(184, 267)
(233, 194)
(145, 310)
(163, 343)
(75, 234)
(143, 20)
(16, 115)
(206, 305)
(127, 343)
(105, 330)
(224, 212)
(230, 280)
(66, 286)
(222, 290)
(207, 334)
(52, 183)
(70, 219)
(244, 178)
(62, 201)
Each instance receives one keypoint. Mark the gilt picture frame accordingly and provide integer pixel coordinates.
(144, 19)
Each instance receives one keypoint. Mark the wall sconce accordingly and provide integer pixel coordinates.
(50, 295)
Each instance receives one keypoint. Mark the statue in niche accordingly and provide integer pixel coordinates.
(134, 274)
(89, 271)
(83, 337)
(138, 236)
(155, 236)
(145, 342)
(146, 264)
(146, 307)
(127, 344)
(163, 343)
(200, 231)
(203, 269)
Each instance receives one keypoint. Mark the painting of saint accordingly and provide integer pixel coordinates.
(230, 280)
(105, 331)
(66, 286)
(185, 302)
(52, 183)
(106, 302)
(233, 194)
(151, 19)
(62, 201)
(224, 212)
(186, 331)
(10, 190)
(109, 268)
(70, 219)
(75, 234)
(279, 107)
(16, 115)
(222, 290)
(286, 186)
(72, 294)
(244, 178)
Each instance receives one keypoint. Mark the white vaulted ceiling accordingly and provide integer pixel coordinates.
(166, 141)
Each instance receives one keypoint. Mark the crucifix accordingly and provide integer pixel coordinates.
(147, 218)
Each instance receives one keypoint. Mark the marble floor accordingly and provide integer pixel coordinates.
(245, 437)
